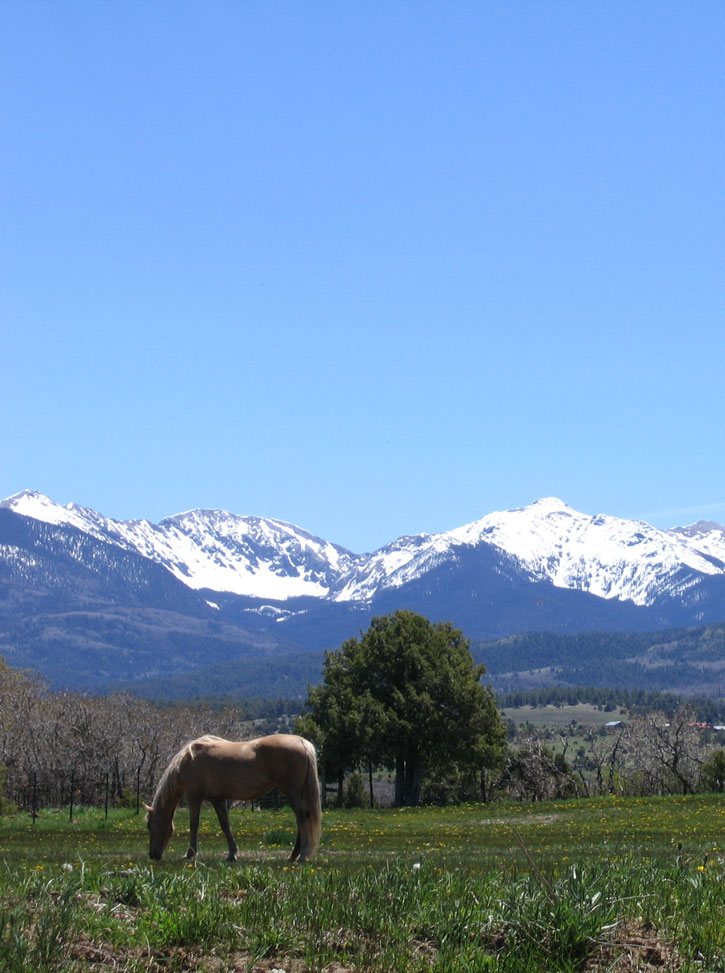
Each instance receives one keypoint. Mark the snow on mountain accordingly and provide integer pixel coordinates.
(253, 555)
(548, 540)
(705, 536)
(210, 548)
(602, 555)
(393, 566)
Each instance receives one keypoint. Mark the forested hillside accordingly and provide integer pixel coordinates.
(689, 661)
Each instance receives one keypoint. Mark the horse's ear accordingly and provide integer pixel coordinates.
(147, 808)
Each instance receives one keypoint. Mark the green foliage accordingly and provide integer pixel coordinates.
(6, 805)
(36, 940)
(559, 886)
(713, 772)
(355, 793)
(279, 838)
(678, 660)
(708, 709)
(405, 695)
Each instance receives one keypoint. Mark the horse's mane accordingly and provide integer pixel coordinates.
(166, 787)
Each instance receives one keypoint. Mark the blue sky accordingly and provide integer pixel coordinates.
(373, 268)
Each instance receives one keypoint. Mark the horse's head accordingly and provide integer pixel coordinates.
(161, 827)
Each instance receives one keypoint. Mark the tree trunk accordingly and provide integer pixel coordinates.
(413, 783)
(399, 780)
(408, 781)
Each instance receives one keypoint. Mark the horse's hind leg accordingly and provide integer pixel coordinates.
(220, 806)
(301, 848)
(296, 850)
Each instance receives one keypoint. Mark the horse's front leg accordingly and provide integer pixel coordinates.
(194, 812)
(220, 806)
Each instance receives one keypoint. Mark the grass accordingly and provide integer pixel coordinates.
(556, 717)
(567, 886)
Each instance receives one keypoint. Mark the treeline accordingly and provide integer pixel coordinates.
(707, 709)
(407, 697)
(62, 747)
(676, 661)
(284, 676)
(58, 748)
(256, 708)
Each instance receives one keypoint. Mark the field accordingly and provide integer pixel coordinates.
(556, 717)
(606, 884)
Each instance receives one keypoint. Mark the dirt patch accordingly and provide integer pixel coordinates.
(526, 821)
(99, 956)
(635, 948)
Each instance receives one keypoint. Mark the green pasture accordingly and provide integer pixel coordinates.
(466, 838)
(555, 717)
(566, 886)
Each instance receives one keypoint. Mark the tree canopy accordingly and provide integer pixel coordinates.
(406, 695)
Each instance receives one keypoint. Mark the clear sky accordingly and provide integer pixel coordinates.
(373, 268)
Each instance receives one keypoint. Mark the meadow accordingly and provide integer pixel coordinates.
(605, 884)
(558, 717)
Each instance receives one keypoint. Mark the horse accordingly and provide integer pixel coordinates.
(218, 770)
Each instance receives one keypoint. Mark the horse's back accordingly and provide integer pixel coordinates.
(274, 744)
(245, 769)
(283, 753)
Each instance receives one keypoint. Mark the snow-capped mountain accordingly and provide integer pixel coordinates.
(548, 541)
(603, 555)
(212, 549)
(90, 601)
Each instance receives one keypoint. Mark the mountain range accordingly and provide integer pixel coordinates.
(92, 602)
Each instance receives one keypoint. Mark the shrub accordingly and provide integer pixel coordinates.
(6, 805)
(713, 772)
(355, 794)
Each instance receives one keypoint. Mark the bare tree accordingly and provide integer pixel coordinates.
(667, 751)
(534, 772)
(601, 764)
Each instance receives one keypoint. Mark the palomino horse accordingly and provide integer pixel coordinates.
(218, 770)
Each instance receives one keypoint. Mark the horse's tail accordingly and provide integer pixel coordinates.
(310, 799)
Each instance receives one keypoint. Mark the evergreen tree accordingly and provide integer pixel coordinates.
(406, 695)
(713, 772)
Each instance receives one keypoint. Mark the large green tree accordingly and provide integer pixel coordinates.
(405, 695)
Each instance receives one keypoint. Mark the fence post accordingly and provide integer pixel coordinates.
(35, 796)
(138, 789)
(72, 788)
(106, 806)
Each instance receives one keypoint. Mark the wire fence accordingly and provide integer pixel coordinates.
(41, 790)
